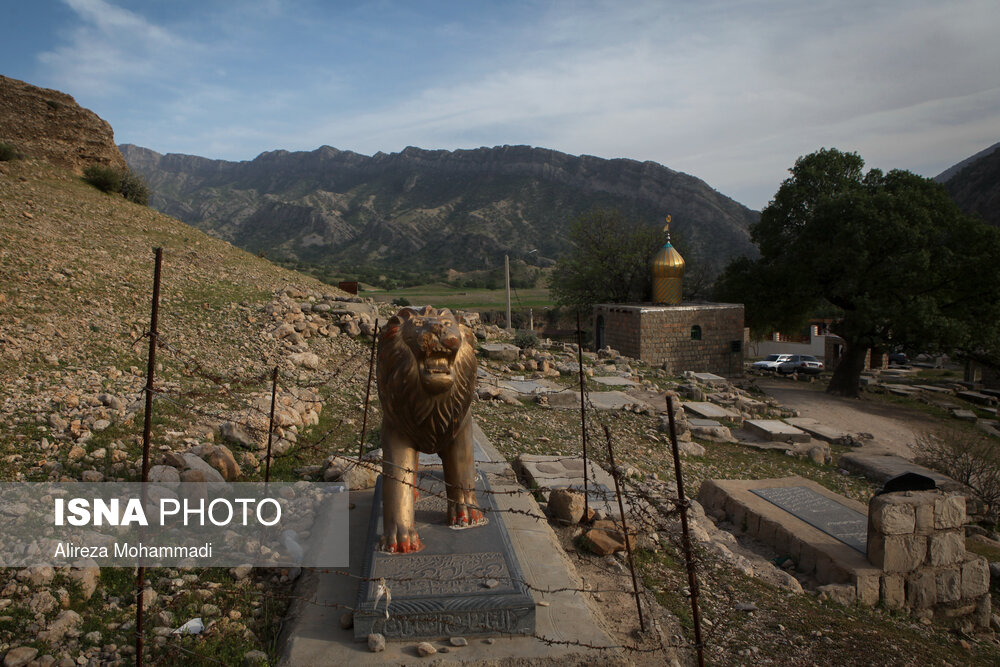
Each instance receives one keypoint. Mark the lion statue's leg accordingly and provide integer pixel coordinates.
(399, 477)
(460, 477)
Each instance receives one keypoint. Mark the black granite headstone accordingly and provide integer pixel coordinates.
(464, 582)
(833, 518)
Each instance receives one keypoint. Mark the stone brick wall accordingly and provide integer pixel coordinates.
(917, 539)
(662, 335)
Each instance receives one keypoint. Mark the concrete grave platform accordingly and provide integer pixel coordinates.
(964, 415)
(441, 591)
(709, 429)
(313, 635)
(794, 533)
(882, 467)
(707, 410)
(901, 389)
(775, 430)
(597, 400)
(817, 430)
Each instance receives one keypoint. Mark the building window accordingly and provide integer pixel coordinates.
(696, 332)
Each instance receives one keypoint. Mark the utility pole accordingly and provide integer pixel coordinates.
(506, 270)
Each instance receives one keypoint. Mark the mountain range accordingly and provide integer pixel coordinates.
(432, 210)
(974, 183)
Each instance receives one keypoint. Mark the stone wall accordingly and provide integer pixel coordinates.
(662, 335)
(917, 539)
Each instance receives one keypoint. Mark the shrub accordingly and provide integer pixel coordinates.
(972, 459)
(105, 179)
(134, 188)
(526, 339)
(8, 152)
(401, 301)
(122, 181)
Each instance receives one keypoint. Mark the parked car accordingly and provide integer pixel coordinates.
(770, 362)
(800, 363)
(898, 358)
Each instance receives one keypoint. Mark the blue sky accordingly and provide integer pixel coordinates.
(729, 91)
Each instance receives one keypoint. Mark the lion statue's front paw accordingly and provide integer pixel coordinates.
(400, 540)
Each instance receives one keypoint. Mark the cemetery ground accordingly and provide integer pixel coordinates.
(75, 287)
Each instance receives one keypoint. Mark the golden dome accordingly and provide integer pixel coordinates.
(668, 273)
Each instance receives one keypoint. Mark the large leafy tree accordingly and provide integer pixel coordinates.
(890, 253)
(607, 262)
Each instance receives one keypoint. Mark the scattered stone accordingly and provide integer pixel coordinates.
(425, 649)
(92, 476)
(746, 606)
(38, 575)
(221, 458)
(66, 622)
(87, 575)
(164, 474)
(237, 434)
(376, 642)
(20, 656)
(241, 572)
(491, 583)
(347, 620)
(566, 505)
(459, 641)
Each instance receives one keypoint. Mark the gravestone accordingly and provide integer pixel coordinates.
(464, 582)
(836, 520)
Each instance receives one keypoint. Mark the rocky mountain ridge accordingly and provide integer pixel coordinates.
(460, 209)
(51, 126)
(974, 184)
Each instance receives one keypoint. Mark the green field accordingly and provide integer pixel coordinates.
(464, 298)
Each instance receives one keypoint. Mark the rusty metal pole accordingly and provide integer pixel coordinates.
(147, 427)
(583, 418)
(270, 428)
(368, 392)
(682, 503)
(628, 542)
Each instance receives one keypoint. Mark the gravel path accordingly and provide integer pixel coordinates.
(895, 429)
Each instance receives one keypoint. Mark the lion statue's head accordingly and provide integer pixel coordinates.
(426, 374)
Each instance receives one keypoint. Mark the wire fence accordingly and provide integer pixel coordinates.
(207, 395)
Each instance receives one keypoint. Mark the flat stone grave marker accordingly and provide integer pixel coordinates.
(964, 415)
(934, 390)
(614, 381)
(709, 378)
(562, 472)
(900, 389)
(882, 467)
(977, 397)
(775, 430)
(816, 429)
(836, 520)
(532, 387)
(995, 393)
(464, 582)
(707, 410)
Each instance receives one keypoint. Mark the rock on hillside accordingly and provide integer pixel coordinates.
(974, 184)
(50, 125)
(460, 209)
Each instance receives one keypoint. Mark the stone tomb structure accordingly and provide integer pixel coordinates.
(905, 550)
(699, 337)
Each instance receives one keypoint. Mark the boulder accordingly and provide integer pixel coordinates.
(221, 458)
(566, 505)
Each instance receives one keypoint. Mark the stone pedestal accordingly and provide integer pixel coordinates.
(464, 582)
(917, 539)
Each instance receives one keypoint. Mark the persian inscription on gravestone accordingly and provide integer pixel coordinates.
(443, 574)
(833, 518)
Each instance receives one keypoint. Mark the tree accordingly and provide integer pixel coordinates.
(891, 253)
(608, 261)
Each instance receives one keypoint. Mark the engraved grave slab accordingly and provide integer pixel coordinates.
(837, 520)
(464, 582)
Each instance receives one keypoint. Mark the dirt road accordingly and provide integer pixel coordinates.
(895, 429)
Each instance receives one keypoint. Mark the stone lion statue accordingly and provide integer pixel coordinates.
(426, 377)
